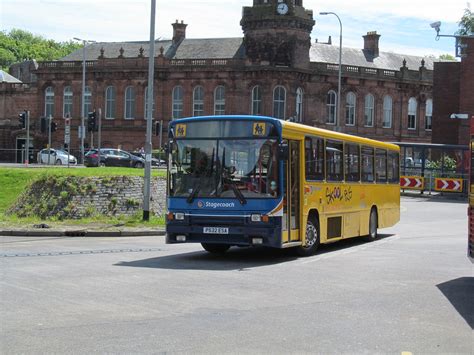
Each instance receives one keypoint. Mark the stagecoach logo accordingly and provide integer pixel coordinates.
(208, 204)
(259, 129)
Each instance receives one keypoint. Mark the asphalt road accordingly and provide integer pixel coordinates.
(410, 291)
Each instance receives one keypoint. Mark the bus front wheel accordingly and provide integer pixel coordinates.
(215, 248)
(311, 240)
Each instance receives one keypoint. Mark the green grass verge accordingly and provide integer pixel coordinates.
(13, 181)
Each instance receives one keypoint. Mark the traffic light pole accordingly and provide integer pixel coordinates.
(99, 137)
(151, 76)
(27, 145)
(50, 118)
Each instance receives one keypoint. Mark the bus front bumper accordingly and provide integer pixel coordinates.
(268, 236)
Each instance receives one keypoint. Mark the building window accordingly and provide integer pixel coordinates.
(129, 102)
(369, 110)
(219, 100)
(412, 105)
(428, 114)
(387, 112)
(279, 102)
(256, 100)
(350, 109)
(198, 101)
(49, 101)
(87, 100)
(299, 105)
(110, 102)
(177, 102)
(67, 102)
(331, 107)
(146, 104)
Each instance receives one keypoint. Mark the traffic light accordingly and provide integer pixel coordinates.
(22, 119)
(44, 125)
(54, 126)
(92, 122)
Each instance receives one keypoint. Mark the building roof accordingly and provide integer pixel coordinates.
(7, 78)
(327, 53)
(228, 48)
(209, 48)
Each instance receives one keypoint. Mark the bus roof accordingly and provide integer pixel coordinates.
(294, 127)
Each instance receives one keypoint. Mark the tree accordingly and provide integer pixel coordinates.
(447, 57)
(466, 25)
(19, 45)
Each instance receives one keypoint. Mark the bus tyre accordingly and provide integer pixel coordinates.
(373, 222)
(215, 248)
(311, 239)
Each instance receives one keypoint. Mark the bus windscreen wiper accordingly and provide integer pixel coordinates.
(193, 194)
(238, 193)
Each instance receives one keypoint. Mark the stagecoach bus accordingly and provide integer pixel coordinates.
(470, 242)
(261, 181)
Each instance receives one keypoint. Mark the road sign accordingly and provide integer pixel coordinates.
(412, 182)
(448, 185)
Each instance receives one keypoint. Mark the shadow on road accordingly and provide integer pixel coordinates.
(460, 293)
(236, 258)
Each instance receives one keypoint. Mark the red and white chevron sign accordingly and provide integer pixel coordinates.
(412, 182)
(445, 184)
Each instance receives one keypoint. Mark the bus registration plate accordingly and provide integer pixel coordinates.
(215, 230)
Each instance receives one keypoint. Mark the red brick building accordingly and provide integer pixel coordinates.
(454, 94)
(273, 70)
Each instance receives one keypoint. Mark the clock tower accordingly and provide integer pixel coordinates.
(277, 32)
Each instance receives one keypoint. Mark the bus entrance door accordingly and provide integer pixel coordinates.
(291, 205)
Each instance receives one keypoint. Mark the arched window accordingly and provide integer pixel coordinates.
(350, 109)
(146, 104)
(177, 102)
(219, 101)
(87, 100)
(387, 112)
(110, 102)
(256, 100)
(279, 102)
(299, 105)
(428, 114)
(67, 102)
(198, 101)
(331, 107)
(129, 102)
(412, 106)
(49, 101)
(369, 110)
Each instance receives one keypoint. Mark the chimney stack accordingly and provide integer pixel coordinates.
(179, 32)
(371, 43)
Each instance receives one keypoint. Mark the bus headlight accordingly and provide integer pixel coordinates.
(179, 216)
(256, 218)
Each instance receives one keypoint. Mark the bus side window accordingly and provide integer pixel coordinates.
(367, 164)
(393, 173)
(334, 161)
(352, 162)
(314, 158)
(381, 165)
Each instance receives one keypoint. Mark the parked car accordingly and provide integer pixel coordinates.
(113, 157)
(154, 162)
(56, 157)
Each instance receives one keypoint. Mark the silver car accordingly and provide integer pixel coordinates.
(55, 157)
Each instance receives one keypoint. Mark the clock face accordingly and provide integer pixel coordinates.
(282, 8)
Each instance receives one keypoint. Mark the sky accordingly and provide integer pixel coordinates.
(404, 25)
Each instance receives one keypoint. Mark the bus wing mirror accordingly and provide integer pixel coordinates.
(283, 150)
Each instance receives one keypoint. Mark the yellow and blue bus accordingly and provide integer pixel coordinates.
(261, 181)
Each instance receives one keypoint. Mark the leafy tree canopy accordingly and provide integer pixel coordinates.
(19, 45)
(466, 24)
(447, 57)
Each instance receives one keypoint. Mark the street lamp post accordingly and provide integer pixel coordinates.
(338, 115)
(83, 100)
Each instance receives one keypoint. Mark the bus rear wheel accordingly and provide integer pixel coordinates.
(311, 240)
(373, 222)
(215, 248)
